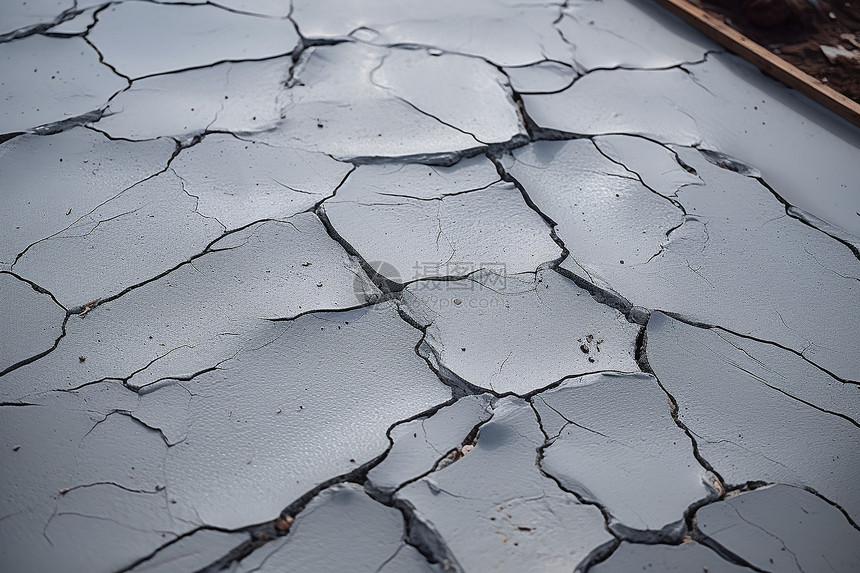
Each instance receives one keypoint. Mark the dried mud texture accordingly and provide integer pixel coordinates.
(437, 287)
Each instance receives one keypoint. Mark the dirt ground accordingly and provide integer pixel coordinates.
(796, 30)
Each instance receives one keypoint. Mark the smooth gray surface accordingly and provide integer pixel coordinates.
(44, 80)
(494, 509)
(759, 412)
(519, 333)
(615, 431)
(99, 254)
(340, 286)
(726, 105)
(106, 469)
(628, 34)
(238, 97)
(782, 528)
(166, 329)
(403, 102)
(341, 529)
(244, 419)
(144, 38)
(35, 318)
(427, 444)
(321, 408)
(687, 557)
(439, 221)
(50, 183)
(511, 32)
(679, 252)
(239, 182)
(600, 208)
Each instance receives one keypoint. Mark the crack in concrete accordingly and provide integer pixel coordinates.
(698, 324)
(419, 534)
(41, 27)
(642, 360)
(96, 207)
(44, 353)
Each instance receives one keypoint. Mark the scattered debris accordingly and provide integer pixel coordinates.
(852, 38)
(284, 523)
(89, 306)
(833, 53)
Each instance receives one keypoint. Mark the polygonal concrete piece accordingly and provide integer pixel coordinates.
(519, 333)
(147, 38)
(783, 528)
(494, 509)
(758, 412)
(341, 529)
(619, 447)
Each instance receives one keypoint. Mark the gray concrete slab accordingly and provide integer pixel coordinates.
(509, 285)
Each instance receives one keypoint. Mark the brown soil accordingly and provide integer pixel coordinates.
(796, 30)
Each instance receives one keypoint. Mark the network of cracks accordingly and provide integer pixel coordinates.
(486, 286)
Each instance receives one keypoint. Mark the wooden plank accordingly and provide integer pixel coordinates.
(768, 62)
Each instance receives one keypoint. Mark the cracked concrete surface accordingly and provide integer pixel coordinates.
(500, 285)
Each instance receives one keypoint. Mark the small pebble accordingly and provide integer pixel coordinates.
(283, 524)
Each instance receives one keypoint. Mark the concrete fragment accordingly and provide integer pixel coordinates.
(429, 443)
(50, 182)
(783, 528)
(192, 319)
(387, 115)
(136, 235)
(519, 333)
(689, 556)
(758, 412)
(281, 419)
(144, 38)
(495, 510)
(424, 221)
(341, 529)
(511, 32)
(618, 446)
(727, 105)
(45, 80)
(30, 321)
(625, 34)
(239, 182)
(237, 97)
(671, 253)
